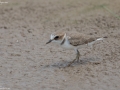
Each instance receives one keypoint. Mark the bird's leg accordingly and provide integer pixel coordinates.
(78, 55)
(77, 58)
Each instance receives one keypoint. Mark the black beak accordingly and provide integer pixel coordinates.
(49, 41)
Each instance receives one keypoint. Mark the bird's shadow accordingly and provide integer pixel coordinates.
(83, 61)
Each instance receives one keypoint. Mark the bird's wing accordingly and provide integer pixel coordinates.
(80, 39)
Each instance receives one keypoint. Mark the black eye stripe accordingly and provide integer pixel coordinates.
(56, 37)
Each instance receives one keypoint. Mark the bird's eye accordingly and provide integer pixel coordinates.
(56, 37)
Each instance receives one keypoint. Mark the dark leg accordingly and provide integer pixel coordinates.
(77, 58)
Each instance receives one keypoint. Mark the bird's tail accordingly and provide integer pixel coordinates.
(96, 40)
(101, 38)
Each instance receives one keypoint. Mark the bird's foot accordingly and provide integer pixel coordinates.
(79, 61)
(71, 63)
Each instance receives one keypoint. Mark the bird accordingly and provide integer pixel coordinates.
(73, 40)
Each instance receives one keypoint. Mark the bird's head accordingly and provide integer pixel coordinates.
(57, 37)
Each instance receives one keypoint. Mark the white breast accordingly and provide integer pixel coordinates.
(67, 45)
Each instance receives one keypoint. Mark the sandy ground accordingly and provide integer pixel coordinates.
(27, 63)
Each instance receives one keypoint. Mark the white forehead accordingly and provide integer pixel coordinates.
(52, 36)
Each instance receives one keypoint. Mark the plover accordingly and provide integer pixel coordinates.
(73, 40)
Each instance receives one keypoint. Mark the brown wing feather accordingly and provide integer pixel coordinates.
(80, 39)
